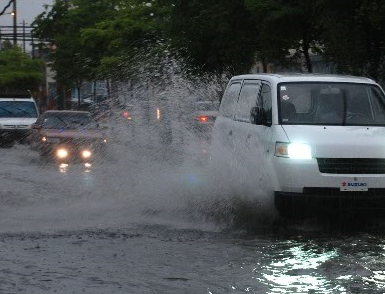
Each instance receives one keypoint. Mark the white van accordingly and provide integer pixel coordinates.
(307, 136)
(17, 114)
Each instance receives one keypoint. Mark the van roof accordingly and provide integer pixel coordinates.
(299, 77)
(27, 99)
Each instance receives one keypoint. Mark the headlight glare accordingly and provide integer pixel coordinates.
(293, 150)
(62, 153)
(86, 154)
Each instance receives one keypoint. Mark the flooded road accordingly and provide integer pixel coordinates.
(139, 224)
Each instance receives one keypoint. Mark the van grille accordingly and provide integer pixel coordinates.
(351, 165)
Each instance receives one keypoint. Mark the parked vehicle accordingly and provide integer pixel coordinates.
(204, 115)
(67, 135)
(17, 113)
(312, 139)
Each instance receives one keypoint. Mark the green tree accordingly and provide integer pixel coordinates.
(285, 26)
(99, 38)
(354, 37)
(134, 26)
(214, 36)
(19, 71)
(62, 26)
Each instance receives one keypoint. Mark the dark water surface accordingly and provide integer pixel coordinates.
(109, 227)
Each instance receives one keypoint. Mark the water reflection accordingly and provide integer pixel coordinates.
(65, 167)
(294, 272)
(87, 167)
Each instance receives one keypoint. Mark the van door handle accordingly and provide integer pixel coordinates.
(249, 136)
(231, 132)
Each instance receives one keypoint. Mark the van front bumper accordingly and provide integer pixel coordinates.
(302, 189)
(14, 134)
(303, 176)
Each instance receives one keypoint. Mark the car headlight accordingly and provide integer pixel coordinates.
(86, 154)
(293, 150)
(62, 153)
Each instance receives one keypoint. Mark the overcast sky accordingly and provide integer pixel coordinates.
(27, 10)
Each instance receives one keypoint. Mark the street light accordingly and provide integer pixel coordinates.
(14, 14)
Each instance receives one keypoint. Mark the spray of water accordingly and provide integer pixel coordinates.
(157, 169)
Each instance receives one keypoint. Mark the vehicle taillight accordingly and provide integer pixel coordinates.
(203, 118)
(127, 115)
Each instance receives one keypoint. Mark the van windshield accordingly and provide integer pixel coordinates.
(309, 103)
(17, 109)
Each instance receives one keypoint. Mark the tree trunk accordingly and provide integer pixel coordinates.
(78, 88)
(309, 65)
(264, 65)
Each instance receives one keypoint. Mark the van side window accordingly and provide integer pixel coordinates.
(266, 100)
(230, 99)
(247, 100)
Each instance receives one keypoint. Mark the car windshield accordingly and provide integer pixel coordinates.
(17, 109)
(71, 121)
(354, 104)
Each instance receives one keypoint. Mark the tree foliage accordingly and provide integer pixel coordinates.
(354, 37)
(288, 25)
(62, 26)
(18, 70)
(216, 36)
(117, 38)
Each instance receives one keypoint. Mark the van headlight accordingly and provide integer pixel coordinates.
(293, 150)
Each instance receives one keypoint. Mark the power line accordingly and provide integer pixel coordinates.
(6, 7)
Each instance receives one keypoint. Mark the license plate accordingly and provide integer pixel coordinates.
(356, 185)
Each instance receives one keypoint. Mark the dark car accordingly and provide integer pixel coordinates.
(204, 115)
(68, 135)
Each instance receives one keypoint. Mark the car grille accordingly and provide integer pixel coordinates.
(79, 141)
(16, 126)
(351, 165)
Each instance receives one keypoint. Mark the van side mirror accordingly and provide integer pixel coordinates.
(258, 116)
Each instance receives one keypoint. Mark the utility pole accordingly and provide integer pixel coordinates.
(33, 47)
(23, 35)
(14, 23)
